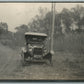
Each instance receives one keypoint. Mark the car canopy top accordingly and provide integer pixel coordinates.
(35, 37)
(35, 34)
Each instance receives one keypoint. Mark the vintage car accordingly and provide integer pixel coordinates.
(35, 48)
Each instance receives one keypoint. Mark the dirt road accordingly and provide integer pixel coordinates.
(9, 61)
(64, 67)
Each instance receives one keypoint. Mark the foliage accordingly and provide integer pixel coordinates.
(68, 32)
(19, 35)
(3, 27)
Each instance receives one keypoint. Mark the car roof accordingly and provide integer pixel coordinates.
(35, 34)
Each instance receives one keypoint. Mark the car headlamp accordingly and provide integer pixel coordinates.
(30, 47)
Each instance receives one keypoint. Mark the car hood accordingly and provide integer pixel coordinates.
(37, 46)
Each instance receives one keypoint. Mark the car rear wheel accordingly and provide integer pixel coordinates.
(50, 60)
(23, 59)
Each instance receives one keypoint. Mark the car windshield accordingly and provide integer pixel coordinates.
(36, 40)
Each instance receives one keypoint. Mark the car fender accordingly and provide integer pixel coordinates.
(48, 55)
(23, 49)
(52, 52)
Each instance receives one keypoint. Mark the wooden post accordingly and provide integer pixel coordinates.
(52, 30)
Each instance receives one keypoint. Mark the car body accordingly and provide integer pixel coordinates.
(35, 48)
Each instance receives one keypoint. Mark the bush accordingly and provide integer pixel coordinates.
(70, 43)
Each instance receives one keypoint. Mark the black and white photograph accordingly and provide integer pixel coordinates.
(41, 41)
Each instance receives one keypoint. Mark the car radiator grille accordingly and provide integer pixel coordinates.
(37, 51)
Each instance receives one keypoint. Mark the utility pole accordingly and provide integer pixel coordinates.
(52, 29)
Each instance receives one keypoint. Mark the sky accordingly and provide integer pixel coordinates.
(16, 14)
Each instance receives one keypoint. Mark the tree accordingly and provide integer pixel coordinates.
(38, 23)
(67, 19)
(19, 35)
(77, 15)
(3, 27)
(22, 29)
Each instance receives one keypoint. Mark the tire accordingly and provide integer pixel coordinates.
(50, 60)
(23, 60)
